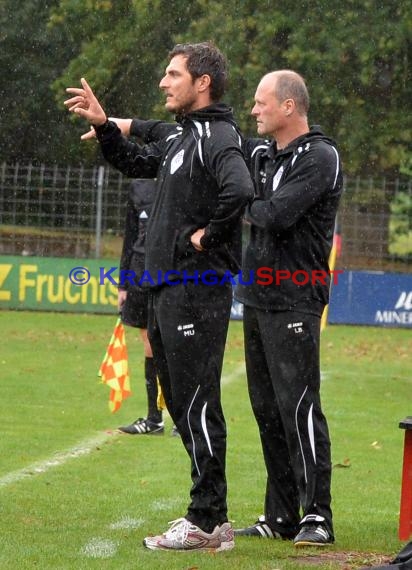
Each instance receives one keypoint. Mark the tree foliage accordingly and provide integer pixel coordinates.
(31, 57)
(356, 58)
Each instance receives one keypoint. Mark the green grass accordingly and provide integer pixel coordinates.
(71, 514)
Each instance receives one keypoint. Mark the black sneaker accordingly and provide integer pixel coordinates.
(144, 426)
(313, 535)
(260, 529)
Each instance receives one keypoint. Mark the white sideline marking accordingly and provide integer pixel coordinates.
(97, 547)
(82, 448)
(100, 548)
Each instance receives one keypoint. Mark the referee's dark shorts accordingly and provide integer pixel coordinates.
(134, 310)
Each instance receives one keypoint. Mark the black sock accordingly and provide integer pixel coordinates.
(153, 413)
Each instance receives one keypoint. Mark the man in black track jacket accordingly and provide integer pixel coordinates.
(193, 241)
(298, 183)
(284, 286)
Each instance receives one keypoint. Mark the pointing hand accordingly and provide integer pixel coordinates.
(86, 104)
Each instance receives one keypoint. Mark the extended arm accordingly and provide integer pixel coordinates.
(152, 130)
(123, 124)
(146, 130)
(128, 157)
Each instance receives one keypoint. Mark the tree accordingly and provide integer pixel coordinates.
(355, 58)
(31, 57)
(124, 50)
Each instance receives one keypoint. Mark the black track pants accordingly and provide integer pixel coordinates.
(282, 363)
(187, 331)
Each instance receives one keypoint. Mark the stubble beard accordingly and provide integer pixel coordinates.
(182, 108)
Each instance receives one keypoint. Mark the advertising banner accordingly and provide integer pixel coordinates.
(372, 298)
(56, 284)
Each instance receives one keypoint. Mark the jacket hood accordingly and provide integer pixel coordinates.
(215, 111)
(315, 133)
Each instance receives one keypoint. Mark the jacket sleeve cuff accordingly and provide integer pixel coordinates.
(106, 130)
(207, 241)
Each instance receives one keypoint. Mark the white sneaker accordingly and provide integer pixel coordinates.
(184, 535)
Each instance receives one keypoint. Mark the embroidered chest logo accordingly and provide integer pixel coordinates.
(177, 161)
(277, 177)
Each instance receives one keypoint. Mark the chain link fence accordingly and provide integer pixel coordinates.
(375, 224)
(79, 212)
(61, 211)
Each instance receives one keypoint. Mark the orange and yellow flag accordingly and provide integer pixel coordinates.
(114, 370)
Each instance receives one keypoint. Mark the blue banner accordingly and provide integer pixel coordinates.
(372, 298)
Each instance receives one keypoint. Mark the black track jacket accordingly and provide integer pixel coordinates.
(292, 218)
(202, 182)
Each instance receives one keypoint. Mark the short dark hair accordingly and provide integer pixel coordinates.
(291, 85)
(205, 59)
